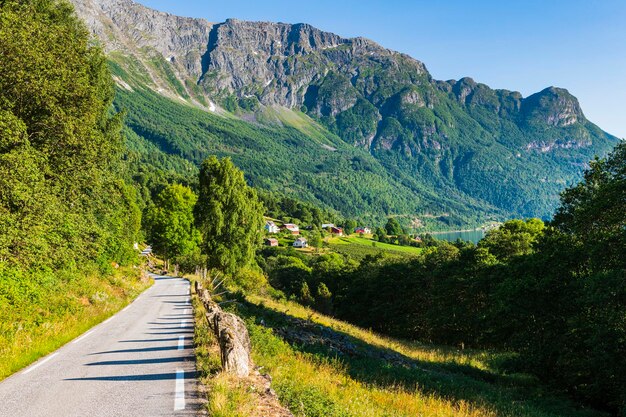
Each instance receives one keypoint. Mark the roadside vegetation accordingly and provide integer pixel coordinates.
(68, 215)
(324, 367)
(50, 308)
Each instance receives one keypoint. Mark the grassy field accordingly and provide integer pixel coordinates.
(322, 367)
(359, 247)
(44, 310)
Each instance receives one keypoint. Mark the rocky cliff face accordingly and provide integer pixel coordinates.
(278, 62)
(554, 107)
(289, 65)
(275, 62)
(132, 30)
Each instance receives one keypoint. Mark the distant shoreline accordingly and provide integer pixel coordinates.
(457, 231)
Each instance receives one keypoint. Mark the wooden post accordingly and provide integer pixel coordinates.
(231, 334)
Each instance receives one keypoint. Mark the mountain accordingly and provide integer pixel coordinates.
(344, 123)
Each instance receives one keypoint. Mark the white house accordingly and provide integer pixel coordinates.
(364, 230)
(327, 225)
(271, 227)
(300, 243)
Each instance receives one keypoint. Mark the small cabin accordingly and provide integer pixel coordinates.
(336, 231)
(364, 230)
(293, 228)
(271, 242)
(300, 243)
(270, 227)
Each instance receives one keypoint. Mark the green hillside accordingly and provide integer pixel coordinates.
(298, 158)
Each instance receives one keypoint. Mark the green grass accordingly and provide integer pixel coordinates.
(42, 311)
(226, 396)
(359, 247)
(383, 376)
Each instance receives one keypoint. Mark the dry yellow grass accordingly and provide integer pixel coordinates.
(315, 381)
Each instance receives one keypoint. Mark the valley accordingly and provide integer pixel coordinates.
(341, 233)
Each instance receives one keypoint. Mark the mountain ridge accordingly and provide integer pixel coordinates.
(456, 137)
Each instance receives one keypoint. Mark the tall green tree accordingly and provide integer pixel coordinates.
(349, 226)
(513, 238)
(393, 227)
(228, 215)
(595, 210)
(170, 222)
(62, 197)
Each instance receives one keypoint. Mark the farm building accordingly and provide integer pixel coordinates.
(293, 228)
(271, 242)
(271, 227)
(300, 243)
(336, 231)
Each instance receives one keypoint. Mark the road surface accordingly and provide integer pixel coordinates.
(139, 362)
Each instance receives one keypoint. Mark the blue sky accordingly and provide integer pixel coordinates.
(523, 45)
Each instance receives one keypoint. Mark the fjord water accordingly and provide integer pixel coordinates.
(468, 235)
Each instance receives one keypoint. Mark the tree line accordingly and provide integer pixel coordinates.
(553, 294)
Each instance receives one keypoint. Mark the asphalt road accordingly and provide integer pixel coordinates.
(140, 362)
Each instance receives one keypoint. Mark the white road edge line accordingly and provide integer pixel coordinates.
(179, 401)
(37, 365)
(181, 342)
(83, 336)
(108, 320)
(126, 308)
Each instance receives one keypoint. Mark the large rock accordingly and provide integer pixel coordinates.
(231, 334)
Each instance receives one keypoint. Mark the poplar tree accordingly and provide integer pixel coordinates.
(229, 216)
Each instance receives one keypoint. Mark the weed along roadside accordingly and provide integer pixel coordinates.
(234, 386)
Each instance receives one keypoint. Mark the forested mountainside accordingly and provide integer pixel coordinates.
(340, 122)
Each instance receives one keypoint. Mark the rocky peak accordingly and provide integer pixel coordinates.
(554, 107)
(463, 88)
(129, 27)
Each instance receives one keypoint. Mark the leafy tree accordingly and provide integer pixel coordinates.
(315, 239)
(287, 273)
(323, 299)
(170, 223)
(304, 296)
(251, 278)
(513, 238)
(594, 210)
(63, 199)
(393, 227)
(228, 215)
(349, 226)
(381, 234)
